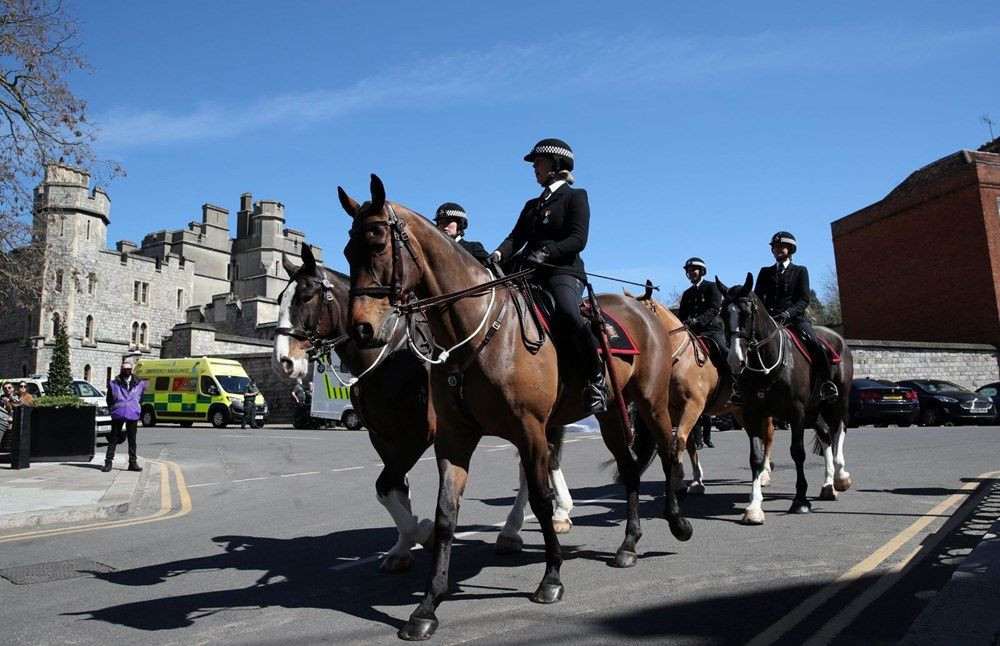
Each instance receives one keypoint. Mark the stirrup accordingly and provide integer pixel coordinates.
(828, 390)
(595, 395)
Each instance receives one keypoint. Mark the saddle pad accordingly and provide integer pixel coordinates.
(833, 354)
(621, 342)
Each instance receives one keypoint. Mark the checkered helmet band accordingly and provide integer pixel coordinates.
(552, 150)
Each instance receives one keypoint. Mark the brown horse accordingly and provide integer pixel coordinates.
(777, 380)
(394, 405)
(395, 256)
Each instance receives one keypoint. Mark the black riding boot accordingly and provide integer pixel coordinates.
(827, 389)
(595, 393)
(706, 425)
(699, 442)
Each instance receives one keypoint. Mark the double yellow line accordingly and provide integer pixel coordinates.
(165, 512)
(846, 616)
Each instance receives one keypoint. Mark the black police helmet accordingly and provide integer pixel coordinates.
(696, 263)
(558, 149)
(785, 238)
(450, 210)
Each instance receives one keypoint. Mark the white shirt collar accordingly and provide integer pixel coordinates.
(554, 186)
(457, 238)
(700, 281)
(783, 264)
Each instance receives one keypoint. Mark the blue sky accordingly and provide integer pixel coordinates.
(698, 130)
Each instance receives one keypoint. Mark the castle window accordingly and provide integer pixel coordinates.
(55, 323)
(140, 292)
(62, 225)
(88, 229)
(180, 299)
(92, 284)
(229, 271)
(159, 263)
(135, 333)
(143, 329)
(86, 372)
(59, 278)
(88, 333)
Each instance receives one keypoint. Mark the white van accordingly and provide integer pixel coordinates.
(330, 399)
(82, 389)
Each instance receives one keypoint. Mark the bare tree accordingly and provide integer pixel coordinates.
(831, 297)
(41, 121)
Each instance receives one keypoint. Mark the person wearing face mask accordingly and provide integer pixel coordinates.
(452, 219)
(701, 304)
(550, 234)
(124, 406)
(784, 289)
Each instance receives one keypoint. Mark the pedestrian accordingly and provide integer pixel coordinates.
(249, 407)
(124, 397)
(8, 399)
(298, 393)
(23, 396)
(309, 394)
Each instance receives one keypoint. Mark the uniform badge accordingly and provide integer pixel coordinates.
(545, 217)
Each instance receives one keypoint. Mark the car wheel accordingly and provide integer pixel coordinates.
(930, 416)
(218, 417)
(187, 424)
(350, 420)
(905, 424)
(148, 418)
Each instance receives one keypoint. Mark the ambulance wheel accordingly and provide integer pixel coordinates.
(187, 424)
(350, 420)
(218, 416)
(148, 417)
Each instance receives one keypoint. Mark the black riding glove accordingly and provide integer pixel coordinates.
(536, 258)
(781, 318)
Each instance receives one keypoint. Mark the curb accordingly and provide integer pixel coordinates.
(120, 498)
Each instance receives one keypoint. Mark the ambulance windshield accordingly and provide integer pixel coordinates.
(233, 384)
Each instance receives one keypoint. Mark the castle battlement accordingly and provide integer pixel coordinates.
(66, 188)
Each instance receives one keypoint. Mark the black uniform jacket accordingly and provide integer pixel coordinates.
(559, 226)
(787, 293)
(476, 249)
(702, 303)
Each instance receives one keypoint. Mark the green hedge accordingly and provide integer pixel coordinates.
(64, 401)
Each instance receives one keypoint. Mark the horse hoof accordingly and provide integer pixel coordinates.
(425, 534)
(765, 479)
(696, 489)
(396, 563)
(417, 630)
(624, 558)
(681, 529)
(827, 493)
(562, 525)
(548, 593)
(753, 517)
(508, 544)
(842, 484)
(800, 507)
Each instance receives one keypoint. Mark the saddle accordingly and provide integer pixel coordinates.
(831, 353)
(542, 307)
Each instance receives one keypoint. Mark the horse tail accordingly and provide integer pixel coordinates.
(818, 444)
(644, 447)
(555, 437)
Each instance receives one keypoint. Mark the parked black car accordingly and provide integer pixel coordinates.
(942, 402)
(993, 392)
(881, 404)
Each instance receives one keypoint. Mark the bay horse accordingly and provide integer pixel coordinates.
(392, 400)
(776, 379)
(396, 256)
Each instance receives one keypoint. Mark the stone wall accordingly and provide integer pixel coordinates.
(276, 390)
(967, 364)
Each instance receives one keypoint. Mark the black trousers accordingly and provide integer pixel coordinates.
(249, 415)
(567, 292)
(118, 436)
(813, 346)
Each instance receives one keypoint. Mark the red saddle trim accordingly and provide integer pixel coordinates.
(805, 353)
(627, 343)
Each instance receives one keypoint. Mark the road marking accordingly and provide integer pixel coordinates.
(164, 513)
(498, 448)
(876, 558)
(203, 484)
(430, 457)
(252, 479)
(304, 473)
(346, 469)
(277, 437)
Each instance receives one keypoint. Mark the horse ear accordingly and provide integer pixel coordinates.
(378, 194)
(308, 259)
(747, 285)
(290, 267)
(722, 288)
(348, 202)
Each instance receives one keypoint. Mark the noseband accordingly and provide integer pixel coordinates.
(398, 238)
(317, 344)
(753, 344)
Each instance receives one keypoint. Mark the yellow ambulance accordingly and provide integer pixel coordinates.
(195, 390)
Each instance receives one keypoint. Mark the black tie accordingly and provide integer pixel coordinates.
(546, 193)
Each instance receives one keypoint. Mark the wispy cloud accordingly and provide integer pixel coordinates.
(583, 62)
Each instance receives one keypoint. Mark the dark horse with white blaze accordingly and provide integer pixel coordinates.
(397, 256)
(392, 399)
(777, 380)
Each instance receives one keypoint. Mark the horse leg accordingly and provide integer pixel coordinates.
(563, 500)
(756, 427)
(628, 472)
(669, 447)
(454, 451)
(827, 491)
(697, 486)
(688, 419)
(509, 541)
(800, 504)
(393, 492)
(535, 459)
(841, 478)
(765, 477)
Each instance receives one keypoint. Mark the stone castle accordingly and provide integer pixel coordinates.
(190, 292)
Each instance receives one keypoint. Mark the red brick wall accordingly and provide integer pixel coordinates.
(920, 265)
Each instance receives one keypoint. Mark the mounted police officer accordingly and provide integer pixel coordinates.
(784, 289)
(701, 304)
(452, 219)
(550, 234)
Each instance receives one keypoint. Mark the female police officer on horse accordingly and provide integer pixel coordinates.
(550, 234)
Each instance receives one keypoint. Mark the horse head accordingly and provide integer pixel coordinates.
(309, 309)
(738, 309)
(385, 265)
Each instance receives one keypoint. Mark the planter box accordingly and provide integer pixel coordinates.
(55, 434)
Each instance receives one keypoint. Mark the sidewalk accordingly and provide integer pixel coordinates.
(50, 493)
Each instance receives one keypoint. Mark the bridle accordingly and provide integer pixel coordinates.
(319, 344)
(754, 345)
(398, 239)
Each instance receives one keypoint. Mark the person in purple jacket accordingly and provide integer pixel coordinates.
(124, 406)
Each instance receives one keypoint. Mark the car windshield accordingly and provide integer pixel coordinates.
(233, 384)
(940, 386)
(83, 389)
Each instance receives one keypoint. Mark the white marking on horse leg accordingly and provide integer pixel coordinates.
(754, 515)
(515, 519)
(406, 522)
(697, 485)
(841, 478)
(828, 465)
(563, 499)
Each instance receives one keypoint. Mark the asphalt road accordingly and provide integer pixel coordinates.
(282, 539)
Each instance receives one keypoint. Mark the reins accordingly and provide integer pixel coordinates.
(754, 346)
